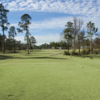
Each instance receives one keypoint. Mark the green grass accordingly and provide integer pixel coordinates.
(44, 75)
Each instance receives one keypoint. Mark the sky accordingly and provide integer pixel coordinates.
(49, 17)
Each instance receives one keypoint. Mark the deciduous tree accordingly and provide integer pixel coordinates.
(77, 25)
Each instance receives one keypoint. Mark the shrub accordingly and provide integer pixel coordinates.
(77, 54)
(83, 52)
(66, 53)
(95, 52)
(98, 51)
(74, 53)
(88, 50)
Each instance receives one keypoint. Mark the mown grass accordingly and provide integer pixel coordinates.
(48, 75)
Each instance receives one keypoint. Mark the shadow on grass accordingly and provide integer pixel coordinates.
(4, 57)
(94, 56)
(14, 52)
(88, 56)
(19, 51)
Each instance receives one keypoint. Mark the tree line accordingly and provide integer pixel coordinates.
(12, 44)
(23, 27)
(76, 36)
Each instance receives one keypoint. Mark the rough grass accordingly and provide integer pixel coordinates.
(40, 76)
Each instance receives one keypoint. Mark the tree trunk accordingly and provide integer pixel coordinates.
(30, 47)
(91, 47)
(68, 47)
(27, 43)
(34, 46)
(3, 40)
(79, 47)
(14, 45)
(74, 45)
(99, 47)
(9, 45)
(83, 46)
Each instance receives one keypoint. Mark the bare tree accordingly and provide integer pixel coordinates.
(77, 25)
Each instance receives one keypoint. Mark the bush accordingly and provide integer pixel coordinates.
(83, 52)
(88, 50)
(66, 53)
(95, 52)
(98, 51)
(74, 53)
(77, 54)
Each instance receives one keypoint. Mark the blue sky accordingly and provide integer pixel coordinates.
(50, 16)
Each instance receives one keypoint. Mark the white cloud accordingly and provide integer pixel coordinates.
(44, 38)
(20, 38)
(68, 6)
(13, 3)
(90, 9)
(54, 23)
(22, 4)
(15, 24)
(47, 38)
(59, 23)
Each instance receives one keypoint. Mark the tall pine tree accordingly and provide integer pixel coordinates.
(3, 22)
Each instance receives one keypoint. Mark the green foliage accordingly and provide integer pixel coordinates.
(73, 53)
(3, 22)
(88, 50)
(91, 29)
(1, 40)
(12, 34)
(3, 17)
(68, 31)
(25, 22)
(83, 52)
(32, 40)
(66, 53)
(12, 31)
(95, 51)
(24, 25)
